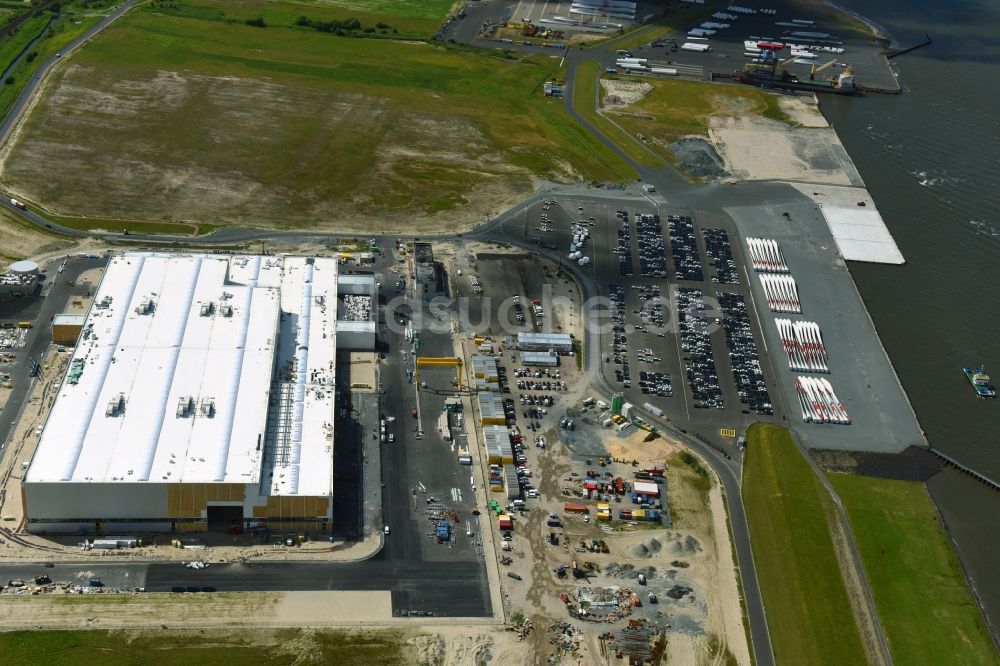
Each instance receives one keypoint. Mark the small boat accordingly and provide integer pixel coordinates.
(981, 382)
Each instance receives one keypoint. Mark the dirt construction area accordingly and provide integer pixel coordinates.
(570, 578)
(651, 587)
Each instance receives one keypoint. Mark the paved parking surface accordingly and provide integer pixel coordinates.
(726, 54)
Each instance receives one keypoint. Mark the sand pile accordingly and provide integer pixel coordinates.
(681, 544)
(646, 549)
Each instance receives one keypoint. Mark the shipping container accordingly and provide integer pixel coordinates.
(573, 507)
(646, 488)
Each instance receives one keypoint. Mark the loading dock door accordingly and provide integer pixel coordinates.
(221, 517)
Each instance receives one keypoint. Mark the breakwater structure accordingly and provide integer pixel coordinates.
(965, 469)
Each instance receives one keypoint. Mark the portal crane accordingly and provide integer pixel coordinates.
(816, 70)
(438, 361)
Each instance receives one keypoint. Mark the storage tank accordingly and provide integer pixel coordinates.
(26, 267)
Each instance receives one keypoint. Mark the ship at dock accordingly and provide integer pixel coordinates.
(981, 382)
(766, 77)
(769, 70)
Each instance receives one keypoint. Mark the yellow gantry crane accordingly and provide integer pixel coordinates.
(438, 361)
(816, 70)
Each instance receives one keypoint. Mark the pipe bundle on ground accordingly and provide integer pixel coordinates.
(781, 293)
(765, 255)
(819, 403)
(803, 345)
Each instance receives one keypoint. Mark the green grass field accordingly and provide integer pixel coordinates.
(117, 226)
(12, 45)
(674, 109)
(809, 615)
(215, 647)
(76, 18)
(927, 611)
(585, 102)
(418, 19)
(223, 123)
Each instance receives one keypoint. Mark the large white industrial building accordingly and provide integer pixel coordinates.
(200, 394)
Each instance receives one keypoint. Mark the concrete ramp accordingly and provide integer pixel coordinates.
(854, 222)
(861, 235)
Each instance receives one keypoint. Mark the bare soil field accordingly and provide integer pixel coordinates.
(353, 162)
(21, 240)
(217, 123)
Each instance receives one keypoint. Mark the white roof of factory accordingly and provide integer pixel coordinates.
(303, 462)
(171, 378)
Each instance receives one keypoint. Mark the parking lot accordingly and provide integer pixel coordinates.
(654, 327)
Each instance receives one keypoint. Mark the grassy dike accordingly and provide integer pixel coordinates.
(585, 100)
(216, 647)
(927, 611)
(809, 614)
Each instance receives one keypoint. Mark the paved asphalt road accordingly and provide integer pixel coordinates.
(438, 587)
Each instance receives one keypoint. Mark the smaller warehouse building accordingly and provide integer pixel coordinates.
(485, 367)
(496, 439)
(511, 482)
(491, 408)
(545, 359)
(561, 343)
(66, 328)
(356, 309)
(646, 488)
(426, 275)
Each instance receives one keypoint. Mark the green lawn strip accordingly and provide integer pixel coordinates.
(674, 109)
(419, 20)
(62, 31)
(216, 647)
(9, 218)
(809, 615)
(13, 44)
(133, 227)
(585, 90)
(927, 610)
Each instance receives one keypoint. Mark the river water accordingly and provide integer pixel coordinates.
(931, 160)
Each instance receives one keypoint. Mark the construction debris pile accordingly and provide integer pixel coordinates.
(522, 628)
(601, 604)
(565, 637)
(441, 520)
